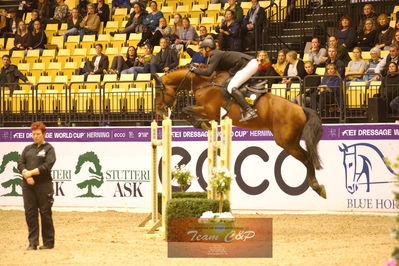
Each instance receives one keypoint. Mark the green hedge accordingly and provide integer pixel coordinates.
(193, 207)
(179, 195)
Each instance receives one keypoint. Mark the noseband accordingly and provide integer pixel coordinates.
(179, 88)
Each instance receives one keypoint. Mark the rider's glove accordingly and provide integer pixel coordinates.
(192, 68)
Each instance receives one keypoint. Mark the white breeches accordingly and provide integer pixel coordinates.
(243, 75)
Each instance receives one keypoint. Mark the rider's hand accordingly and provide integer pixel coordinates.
(192, 68)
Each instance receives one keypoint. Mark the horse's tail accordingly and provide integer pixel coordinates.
(312, 133)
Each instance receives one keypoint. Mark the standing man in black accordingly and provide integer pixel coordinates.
(35, 164)
(10, 74)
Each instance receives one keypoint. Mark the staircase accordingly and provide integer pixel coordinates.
(8, 4)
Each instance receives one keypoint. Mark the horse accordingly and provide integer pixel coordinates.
(287, 121)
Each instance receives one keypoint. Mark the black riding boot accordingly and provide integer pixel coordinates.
(249, 113)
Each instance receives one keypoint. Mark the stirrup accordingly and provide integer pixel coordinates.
(250, 114)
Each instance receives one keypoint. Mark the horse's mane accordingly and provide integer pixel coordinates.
(184, 67)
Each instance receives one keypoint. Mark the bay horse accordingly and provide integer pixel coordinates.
(287, 121)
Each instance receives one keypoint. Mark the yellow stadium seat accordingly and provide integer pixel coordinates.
(196, 11)
(208, 22)
(111, 53)
(63, 28)
(356, 94)
(47, 56)
(50, 30)
(24, 68)
(63, 55)
(60, 79)
(119, 15)
(184, 61)
(279, 90)
(72, 42)
(32, 56)
(126, 85)
(69, 69)
(183, 10)
(17, 56)
(58, 41)
(38, 69)
(320, 71)
(1, 43)
(373, 88)
(79, 55)
(10, 43)
(119, 40)
(104, 39)
(109, 80)
(111, 27)
(134, 39)
(54, 69)
(88, 41)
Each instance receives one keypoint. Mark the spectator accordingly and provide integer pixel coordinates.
(152, 19)
(281, 63)
(119, 63)
(35, 16)
(82, 8)
(265, 67)
(136, 19)
(3, 22)
(229, 32)
(203, 33)
(382, 67)
(12, 24)
(60, 13)
(386, 34)
(102, 11)
(368, 12)
(22, 38)
(294, 68)
(46, 10)
(329, 90)
(91, 23)
(38, 38)
(368, 37)
(317, 55)
(310, 83)
(165, 60)
(375, 54)
(395, 40)
(142, 63)
(120, 4)
(342, 52)
(356, 66)
(162, 31)
(99, 63)
(333, 59)
(185, 34)
(238, 13)
(252, 25)
(346, 34)
(177, 23)
(73, 24)
(10, 74)
(390, 87)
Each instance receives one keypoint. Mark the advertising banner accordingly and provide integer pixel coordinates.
(110, 167)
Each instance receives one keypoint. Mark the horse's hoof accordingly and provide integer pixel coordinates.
(206, 125)
(322, 192)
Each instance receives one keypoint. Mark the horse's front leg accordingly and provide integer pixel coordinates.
(195, 115)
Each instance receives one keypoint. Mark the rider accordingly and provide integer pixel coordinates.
(241, 65)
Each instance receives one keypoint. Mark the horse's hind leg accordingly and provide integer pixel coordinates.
(300, 154)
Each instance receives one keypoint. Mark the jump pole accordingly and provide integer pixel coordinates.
(224, 145)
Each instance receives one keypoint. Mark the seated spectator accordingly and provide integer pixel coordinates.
(386, 34)
(368, 12)
(120, 4)
(119, 63)
(395, 40)
(38, 38)
(295, 67)
(203, 33)
(265, 67)
(185, 34)
(346, 34)
(140, 63)
(22, 38)
(60, 13)
(99, 63)
(73, 24)
(281, 63)
(342, 52)
(46, 10)
(238, 13)
(90, 23)
(82, 8)
(162, 31)
(382, 67)
(102, 11)
(177, 23)
(152, 19)
(3, 22)
(317, 55)
(328, 92)
(12, 24)
(375, 54)
(368, 37)
(10, 74)
(390, 87)
(339, 65)
(35, 16)
(229, 33)
(311, 82)
(252, 25)
(136, 19)
(356, 66)
(165, 60)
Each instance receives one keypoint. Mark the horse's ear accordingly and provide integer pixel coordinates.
(343, 148)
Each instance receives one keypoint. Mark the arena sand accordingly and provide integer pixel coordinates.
(109, 238)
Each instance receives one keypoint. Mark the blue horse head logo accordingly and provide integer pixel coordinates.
(358, 166)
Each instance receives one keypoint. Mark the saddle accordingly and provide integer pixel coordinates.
(252, 91)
